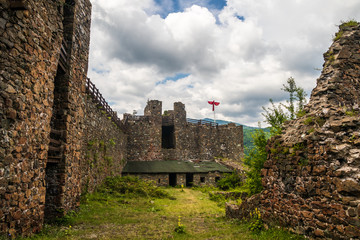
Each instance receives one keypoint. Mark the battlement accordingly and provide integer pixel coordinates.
(172, 136)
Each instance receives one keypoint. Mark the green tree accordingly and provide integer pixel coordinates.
(301, 99)
(275, 116)
(291, 88)
(255, 161)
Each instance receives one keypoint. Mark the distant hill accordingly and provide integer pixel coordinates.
(248, 144)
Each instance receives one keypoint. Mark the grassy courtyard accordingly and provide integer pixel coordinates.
(124, 216)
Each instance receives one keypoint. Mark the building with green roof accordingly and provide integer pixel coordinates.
(187, 173)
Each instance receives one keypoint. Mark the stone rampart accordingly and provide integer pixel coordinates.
(105, 149)
(170, 137)
(54, 140)
(30, 46)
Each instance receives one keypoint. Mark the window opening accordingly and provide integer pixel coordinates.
(168, 137)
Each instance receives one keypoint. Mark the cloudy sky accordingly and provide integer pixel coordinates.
(237, 52)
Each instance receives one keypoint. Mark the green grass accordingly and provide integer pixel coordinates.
(350, 23)
(105, 216)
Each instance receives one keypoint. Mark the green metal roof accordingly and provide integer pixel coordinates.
(174, 167)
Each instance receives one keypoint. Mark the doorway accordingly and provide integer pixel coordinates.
(172, 179)
(189, 179)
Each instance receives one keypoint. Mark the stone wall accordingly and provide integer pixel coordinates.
(51, 130)
(30, 41)
(162, 179)
(311, 178)
(207, 179)
(105, 150)
(190, 141)
(144, 138)
(77, 35)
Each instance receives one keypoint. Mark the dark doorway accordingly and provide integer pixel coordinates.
(168, 137)
(172, 179)
(189, 179)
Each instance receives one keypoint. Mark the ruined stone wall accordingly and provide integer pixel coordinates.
(192, 141)
(29, 47)
(55, 141)
(144, 138)
(311, 178)
(105, 149)
(207, 142)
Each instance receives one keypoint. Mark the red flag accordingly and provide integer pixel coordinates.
(213, 103)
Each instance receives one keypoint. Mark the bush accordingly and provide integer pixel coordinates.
(255, 162)
(229, 181)
(131, 186)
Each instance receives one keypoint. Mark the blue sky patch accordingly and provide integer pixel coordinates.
(241, 18)
(170, 6)
(173, 78)
(217, 4)
(99, 70)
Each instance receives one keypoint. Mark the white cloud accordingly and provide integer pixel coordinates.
(239, 63)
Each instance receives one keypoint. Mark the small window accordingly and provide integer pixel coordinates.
(202, 179)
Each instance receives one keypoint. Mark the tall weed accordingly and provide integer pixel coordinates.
(132, 187)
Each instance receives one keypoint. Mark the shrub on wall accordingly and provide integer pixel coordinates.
(229, 181)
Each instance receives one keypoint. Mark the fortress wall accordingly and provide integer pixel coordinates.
(144, 139)
(38, 100)
(29, 47)
(230, 142)
(105, 149)
(192, 141)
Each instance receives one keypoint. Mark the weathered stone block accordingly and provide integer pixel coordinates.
(319, 233)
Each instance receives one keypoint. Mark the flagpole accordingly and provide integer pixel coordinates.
(214, 117)
(213, 103)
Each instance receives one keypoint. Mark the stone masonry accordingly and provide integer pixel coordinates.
(55, 140)
(311, 178)
(168, 136)
(30, 46)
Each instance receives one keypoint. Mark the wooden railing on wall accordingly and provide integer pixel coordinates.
(202, 122)
(101, 102)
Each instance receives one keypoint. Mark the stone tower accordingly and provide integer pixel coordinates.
(153, 108)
